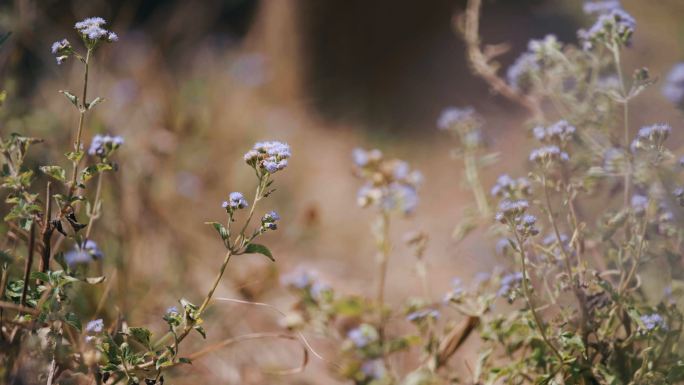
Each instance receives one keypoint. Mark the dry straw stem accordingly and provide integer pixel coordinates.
(481, 62)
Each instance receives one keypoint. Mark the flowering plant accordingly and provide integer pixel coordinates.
(55, 220)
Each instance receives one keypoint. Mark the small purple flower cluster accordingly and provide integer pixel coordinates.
(509, 282)
(390, 184)
(673, 88)
(363, 335)
(610, 27)
(653, 321)
(548, 155)
(84, 253)
(103, 145)
(651, 137)
(507, 187)
(269, 157)
(235, 201)
(601, 6)
(558, 133)
(91, 29)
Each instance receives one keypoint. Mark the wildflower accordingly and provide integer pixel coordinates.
(651, 137)
(104, 145)
(403, 197)
(172, 311)
(268, 156)
(92, 32)
(299, 279)
(362, 157)
(548, 154)
(613, 160)
(507, 187)
(653, 321)
(526, 226)
(390, 184)
(455, 293)
(83, 253)
(268, 221)
(235, 201)
(363, 335)
(453, 116)
(510, 210)
(558, 133)
(543, 47)
(509, 282)
(639, 203)
(502, 246)
(520, 73)
(615, 26)
(673, 88)
(62, 50)
(374, 369)
(601, 6)
(95, 326)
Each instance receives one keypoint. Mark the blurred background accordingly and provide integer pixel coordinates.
(191, 85)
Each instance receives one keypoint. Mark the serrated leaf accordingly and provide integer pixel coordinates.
(93, 170)
(55, 172)
(141, 335)
(74, 156)
(72, 98)
(255, 248)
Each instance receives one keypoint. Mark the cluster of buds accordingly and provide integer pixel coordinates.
(91, 32)
(559, 133)
(269, 221)
(465, 123)
(390, 184)
(268, 157)
(103, 145)
(83, 253)
(509, 188)
(236, 201)
(514, 214)
(548, 155)
(614, 27)
(651, 137)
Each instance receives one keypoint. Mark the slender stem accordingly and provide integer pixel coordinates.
(625, 118)
(528, 297)
(81, 120)
(95, 213)
(384, 249)
(29, 262)
(47, 230)
(577, 290)
(217, 280)
(474, 181)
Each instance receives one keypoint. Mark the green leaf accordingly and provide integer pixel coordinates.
(201, 331)
(74, 156)
(72, 320)
(93, 170)
(219, 229)
(184, 360)
(141, 335)
(162, 362)
(39, 275)
(94, 102)
(56, 172)
(72, 98)
(255, 248)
